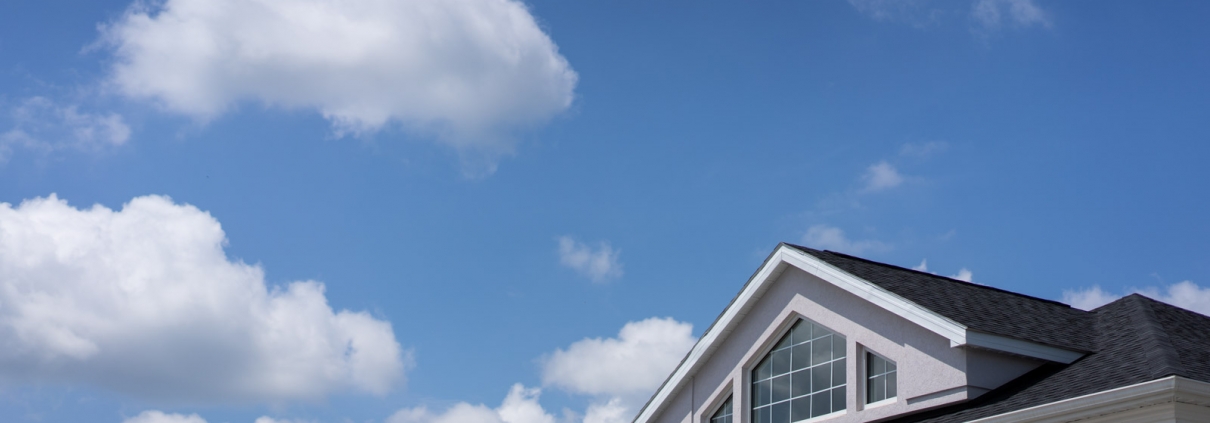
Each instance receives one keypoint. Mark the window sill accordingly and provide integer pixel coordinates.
(828, 416)
(881, 403)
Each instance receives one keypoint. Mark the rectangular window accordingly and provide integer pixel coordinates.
(880, 378)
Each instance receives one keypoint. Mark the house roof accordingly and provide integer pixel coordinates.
(1138, 340)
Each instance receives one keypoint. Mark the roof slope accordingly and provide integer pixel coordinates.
(1138, 340)
(978, 307)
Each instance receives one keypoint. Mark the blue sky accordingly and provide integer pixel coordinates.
(452, 207)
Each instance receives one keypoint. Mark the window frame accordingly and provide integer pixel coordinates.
(840, 366)
(868, 377)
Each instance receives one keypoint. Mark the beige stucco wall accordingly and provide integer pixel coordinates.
(931, 373)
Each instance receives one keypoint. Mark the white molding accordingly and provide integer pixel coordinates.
(1019, 347)
(773, 267)
(1127, 399)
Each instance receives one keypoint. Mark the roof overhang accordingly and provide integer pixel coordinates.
(783, 258)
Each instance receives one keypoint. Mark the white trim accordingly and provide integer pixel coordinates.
(1019, 347)
(1160, 391)
(773, 267)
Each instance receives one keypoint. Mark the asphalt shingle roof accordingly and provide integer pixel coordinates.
(1130, 341)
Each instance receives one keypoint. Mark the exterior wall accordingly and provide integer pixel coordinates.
(931, 373)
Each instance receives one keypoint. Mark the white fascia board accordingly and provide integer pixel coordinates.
(1019, 347)
(1168, 389)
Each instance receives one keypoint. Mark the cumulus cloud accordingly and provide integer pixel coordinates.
(520, 406)
(462, 70)
(964, 275)
(143, 300)
(881, 176)
(42, 125)
(833, 238)
(620, 373)
(599, 264)
(994, 14)
(1185, 294)
(155, 416)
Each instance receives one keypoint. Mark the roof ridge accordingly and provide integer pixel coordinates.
(934, 275)
(1157, 344)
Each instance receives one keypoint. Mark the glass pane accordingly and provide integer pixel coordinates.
(890, 385)
(802, 332)
(802, 356)
(784, 342)
(821, 404)
(838, 372)
(781, 413)
(890, 365)
(837, 399)
(781, 388)
(821, 350)
(781, 362)
(764, 369)
(838, 346)
(726, 419)
(727, 407)
(819, 331)
(763, 392)
(800, 382)
(877, 365)
(877, 389)
(800, 409)
(761, 415)
(821, 378)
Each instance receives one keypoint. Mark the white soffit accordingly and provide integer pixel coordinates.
(786, 255)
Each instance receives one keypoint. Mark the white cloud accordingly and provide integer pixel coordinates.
(143, 300)
(614, 410)
(1185, 294)
(41, 125)
(880, 176)
(964, 275)
(923, 266)
(833, 238)
(520, 406)
(600, 264)
(463, 70)
(994, 14)
(155, 416)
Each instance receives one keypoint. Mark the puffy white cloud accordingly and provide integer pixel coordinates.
(993, 14)
(461, 69)
(833, 238)
(964, 275)
(880, 176)
(1184, 294)
(156, 416)
(599, 264)
(520, 406)
(143, 300)
(614, 410)
(41, 125)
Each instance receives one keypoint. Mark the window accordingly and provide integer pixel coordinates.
(723, 415)
(803, 377)
(880, 378)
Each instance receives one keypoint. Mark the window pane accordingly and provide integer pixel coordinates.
(763, 392)
(802, 332)
(838, 372)
(877, 389)
(800, 382)
(727, 419)
(821, 350)
(727, 407)
(821, 378)
(890, 385)
(781, 362)
(890, 365)
(784, 342)
(781, 413)
(802, 356)
(819, 331)
(800, 409)
(781, 388)
(838, 399)
(761, 415)
(764, 369)
(838, 346)
(821, 404)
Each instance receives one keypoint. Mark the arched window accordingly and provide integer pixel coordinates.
(803, 377)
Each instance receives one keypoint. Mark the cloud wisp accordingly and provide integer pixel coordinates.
(600, 264)
(993, 15)
(44, 126)
(833, 238)
(1184, 294)
(881, 176)
(466, 72)
(144, 301)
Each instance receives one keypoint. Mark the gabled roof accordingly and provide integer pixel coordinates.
(978, 307)
(1137, 340)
